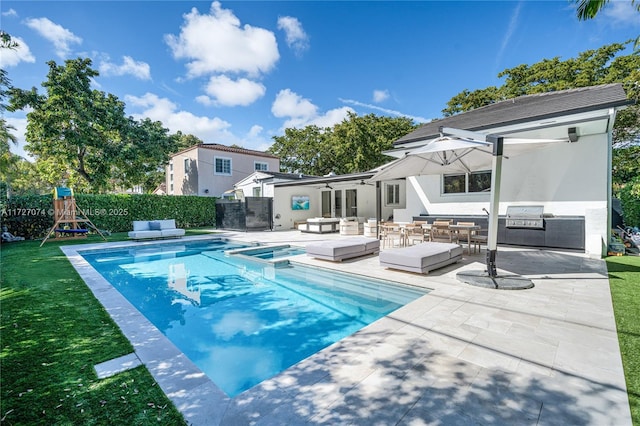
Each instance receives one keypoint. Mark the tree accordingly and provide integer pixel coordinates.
(589, 9)
(590, 68)
(81, 137)
(184, 141)
(304, 150)
(601, 66)
(359, 141)
(6, 137)
(351, 146)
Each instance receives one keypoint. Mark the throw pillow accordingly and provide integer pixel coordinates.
(154, 226)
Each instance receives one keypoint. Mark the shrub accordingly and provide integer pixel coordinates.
(630, 199)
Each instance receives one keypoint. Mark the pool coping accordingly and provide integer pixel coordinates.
(194, 394)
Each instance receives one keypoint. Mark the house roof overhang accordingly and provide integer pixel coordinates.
(529, 115)
(348, 178)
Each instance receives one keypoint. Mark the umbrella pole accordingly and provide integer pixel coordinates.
(494, 204)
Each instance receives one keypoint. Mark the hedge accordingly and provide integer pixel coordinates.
(31, 216)
(630, 199)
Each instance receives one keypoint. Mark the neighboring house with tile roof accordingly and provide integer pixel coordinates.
(213, 169)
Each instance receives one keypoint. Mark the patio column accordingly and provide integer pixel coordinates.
(494, 204)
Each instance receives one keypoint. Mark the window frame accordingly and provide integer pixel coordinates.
(262, 163)
(395, 193)
(225, 160)
(467, 180)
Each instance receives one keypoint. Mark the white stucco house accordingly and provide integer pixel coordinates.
(213, 169)
(570, 180)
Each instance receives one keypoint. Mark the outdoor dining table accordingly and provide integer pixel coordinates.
(469, 229)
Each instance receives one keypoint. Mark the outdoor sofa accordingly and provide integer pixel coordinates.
(344, 248)
(421, 258)
(143, 229)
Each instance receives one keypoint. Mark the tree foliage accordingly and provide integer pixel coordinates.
(589, 9)
(6, 137)
(593, 67)
(81, 136)
(351, 146)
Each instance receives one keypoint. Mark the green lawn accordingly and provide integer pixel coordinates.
(53, 331)
(624, 276)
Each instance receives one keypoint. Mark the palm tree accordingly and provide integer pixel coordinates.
(588, 9)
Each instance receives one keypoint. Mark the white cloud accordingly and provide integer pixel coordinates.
(140, 70)
(300, 112)
(622, 12)
(290, 104)
(380, 95)
(255, 131)
(230, 92)
(12, 57)
(296, 37)
(511, 28)
(216, 43)
(10, 12)
(211, 130)
(387, 111)
(61, 37)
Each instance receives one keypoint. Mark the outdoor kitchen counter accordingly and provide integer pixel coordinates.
(565, 232)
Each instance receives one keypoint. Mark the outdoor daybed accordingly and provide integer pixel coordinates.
(155, 229)
(421, 258)
(346, 248)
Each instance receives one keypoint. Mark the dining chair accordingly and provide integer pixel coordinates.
(479, 238)
(415, 232)
(440, 231)
(466, 234)
(390, 231)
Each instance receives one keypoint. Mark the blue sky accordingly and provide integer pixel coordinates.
(240, 72)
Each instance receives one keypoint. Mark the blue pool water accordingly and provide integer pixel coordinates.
(239, 320)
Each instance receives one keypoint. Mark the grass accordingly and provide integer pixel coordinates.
(624, 279)
(53, 331)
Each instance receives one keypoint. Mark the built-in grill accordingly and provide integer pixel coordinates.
(529, 217)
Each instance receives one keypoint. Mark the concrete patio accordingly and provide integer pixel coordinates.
(459, 355)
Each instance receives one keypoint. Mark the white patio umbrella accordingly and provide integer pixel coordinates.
(447, 154)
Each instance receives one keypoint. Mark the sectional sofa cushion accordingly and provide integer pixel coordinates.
(344, 248)
(421, 258)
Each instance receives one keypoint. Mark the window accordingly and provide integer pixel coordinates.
(187, 165)
(260, 167)
(256, 191)
(171, 166)
(222, 166)
(466, 183)
(393, 194)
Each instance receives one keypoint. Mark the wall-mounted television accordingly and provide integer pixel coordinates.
(300, 202)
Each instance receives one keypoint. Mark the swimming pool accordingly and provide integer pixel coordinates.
(239, 320)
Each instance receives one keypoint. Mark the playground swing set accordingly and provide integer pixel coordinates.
(68, 217)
